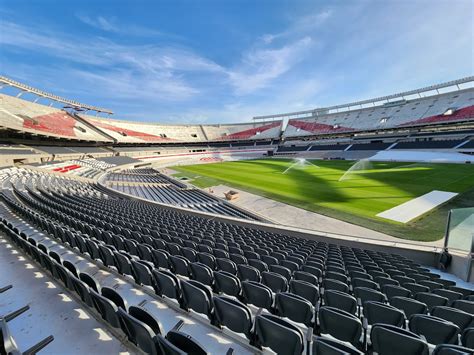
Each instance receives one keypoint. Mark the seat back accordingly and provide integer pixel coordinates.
(324, 346)
(257, 294)
(391, 340)
(276, 282)
(144, 316)
(234, 315)
(295, 308)
(167, 284)
(449, 349)
(306, 290)
(106, 308)
(227, 283)
(434, 329)
(460, 318)
(198, 298)
(340, 300)
(340, 324)
(280, 336)
(409, 306)
(138, 332)
(377, 312)
(178, 343)
(114, 296)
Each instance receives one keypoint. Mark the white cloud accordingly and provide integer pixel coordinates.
(261, 66)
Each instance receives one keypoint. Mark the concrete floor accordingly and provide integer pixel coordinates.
(284, 214)
(52, 311)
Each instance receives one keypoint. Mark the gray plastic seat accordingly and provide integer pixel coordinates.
(227, 283)
(431, 300)
(467, 338)
(340, 300)
(435, 330)
(306, 290)
(325, 346)
(138, 331)
(106, 308)
(464, 305)
(295, 308)
(198, 297)
(280, 336)
(167, 284)
(257, 294)
(393, 290)
(248, 273)
(178, 343)
(341, 325)
(330, 284)
(234, 315)
(276, 282)
(391, 340)
(449, 349)
(409, 306)
(462, 319)
(201, 273)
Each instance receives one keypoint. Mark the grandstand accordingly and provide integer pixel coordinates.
(106, 250)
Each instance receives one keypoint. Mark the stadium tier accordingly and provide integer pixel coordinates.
(24, 116)
(134, 132)
(453, 107)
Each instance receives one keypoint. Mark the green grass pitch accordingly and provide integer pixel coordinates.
(358, 198)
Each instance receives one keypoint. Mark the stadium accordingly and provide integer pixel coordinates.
(341, 229)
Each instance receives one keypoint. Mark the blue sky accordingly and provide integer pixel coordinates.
(227, 61)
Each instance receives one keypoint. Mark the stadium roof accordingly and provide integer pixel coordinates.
(72, 103)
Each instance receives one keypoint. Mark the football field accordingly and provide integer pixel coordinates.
(346, 190)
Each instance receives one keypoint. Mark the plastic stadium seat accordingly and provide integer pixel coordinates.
(391, 340)
(450, 295)
(449, 349)
(226, 265)
(409, 306)
(227, 283)
(358, 282)
(464, 305)
(82, 290)
(114, 296)
(435, 330)
(324, 346)
(281, 270)
(138, 331)
(431, 300)
(306, 290)
(276, 282)
(248, 273)
(106, 308)
(330, 284)
(392, 291)
(201, 273)
(364, 294)
(341, 325)
(376, 312)
(305, 276)
(142, 272)
(467, 338)
(178, 343)
(415, 288)
(167, 284)
(280, 336)
(198, 297)
(340, 300)
(295, 308)
(456, 316)
(234, 315)
(257, 294)
(179, 265)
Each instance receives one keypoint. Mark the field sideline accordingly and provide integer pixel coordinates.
(356, 199)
